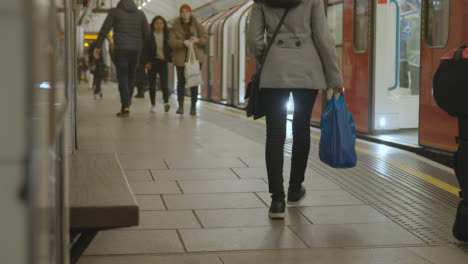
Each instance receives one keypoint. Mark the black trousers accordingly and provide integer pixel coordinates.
(126, 62)
(275, 102)
(181, 86)
(159, 67)
(97, 80)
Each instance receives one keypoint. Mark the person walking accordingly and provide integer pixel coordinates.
(99, 70)
(131, 31)
(301, 61)
(186, 32)
(158, 57)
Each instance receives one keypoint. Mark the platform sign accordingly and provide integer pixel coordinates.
(382, 1)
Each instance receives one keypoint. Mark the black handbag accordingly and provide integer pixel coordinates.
(255, 106)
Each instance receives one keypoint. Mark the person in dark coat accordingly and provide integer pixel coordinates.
(131, 32)
(302, 61)
(99, 70)
(157, 58)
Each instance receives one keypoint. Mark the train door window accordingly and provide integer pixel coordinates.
(437, 23)
(335, 21)
(361, 25)
(410, 47)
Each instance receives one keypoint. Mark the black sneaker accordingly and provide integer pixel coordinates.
(124, 112)
(277, 210)
(295, 198)
(460, 229)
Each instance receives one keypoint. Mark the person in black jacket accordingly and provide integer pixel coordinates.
(99, 70)
(158, 56)
(131, 32)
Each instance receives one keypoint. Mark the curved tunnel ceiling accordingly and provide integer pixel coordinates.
(168, 8)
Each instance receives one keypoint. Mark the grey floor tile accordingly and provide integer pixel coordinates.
(193, 174)
(259, 161)
(143, 164)
(153, 220)
(150, 202)
(441, 255)
(356, 235)
(143, 259)
(138, 176)
(204, 163)
(248, 218)
(224, 186)
(326, 256)
(212, 201)
(351, 214)
(226, 239)
(135, 242)
(323, 198)
(155, 187)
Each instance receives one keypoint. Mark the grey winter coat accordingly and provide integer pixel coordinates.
(303, 55)
(131, 28)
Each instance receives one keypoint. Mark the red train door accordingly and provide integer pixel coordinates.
(444, 24)
(357, 70)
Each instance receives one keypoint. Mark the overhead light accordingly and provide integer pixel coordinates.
(139, 7)
(143, 4)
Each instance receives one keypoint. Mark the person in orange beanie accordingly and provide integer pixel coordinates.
(186, 32)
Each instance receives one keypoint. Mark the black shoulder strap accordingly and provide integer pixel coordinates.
(272, 40)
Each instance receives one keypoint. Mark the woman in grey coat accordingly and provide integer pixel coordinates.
(302, 61)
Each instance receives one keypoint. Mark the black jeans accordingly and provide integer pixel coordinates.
(97, 83)
(159, 67)
(275, 101)
(181, 86)
(126, 62)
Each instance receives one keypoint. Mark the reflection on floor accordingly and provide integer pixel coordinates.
(408, 137)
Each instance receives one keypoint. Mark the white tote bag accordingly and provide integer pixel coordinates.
(193, 75)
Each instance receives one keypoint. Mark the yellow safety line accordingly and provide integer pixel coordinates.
(436, 182)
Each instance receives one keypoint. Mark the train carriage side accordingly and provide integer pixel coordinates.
(234, 53)
(206, 88)
(444, 30)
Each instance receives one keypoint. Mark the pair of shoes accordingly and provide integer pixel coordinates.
(277, 208)
(124, 112)
(180, 111)
(167, 106)
(140, 96)
(153, 109)
(460, 228)
(193, 110)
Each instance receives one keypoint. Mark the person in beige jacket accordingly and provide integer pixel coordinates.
(301, 61)
(186, 31)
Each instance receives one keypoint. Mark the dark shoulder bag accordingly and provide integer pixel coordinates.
(255, 105)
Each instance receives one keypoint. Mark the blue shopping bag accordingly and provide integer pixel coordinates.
(338, 137)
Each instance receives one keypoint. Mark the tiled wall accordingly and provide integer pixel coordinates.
(12, 132)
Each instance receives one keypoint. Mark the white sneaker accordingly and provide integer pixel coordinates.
(153, 109)
(96, 96)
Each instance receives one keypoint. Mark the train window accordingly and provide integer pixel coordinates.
(437, 23)
(335, 21)
(361, 25)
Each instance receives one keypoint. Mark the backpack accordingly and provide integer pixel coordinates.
(450, 82)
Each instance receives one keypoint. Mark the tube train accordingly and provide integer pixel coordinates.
(389, 51)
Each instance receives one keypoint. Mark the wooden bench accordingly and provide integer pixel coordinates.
(100, 199)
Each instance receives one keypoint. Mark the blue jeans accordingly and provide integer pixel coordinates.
(274, 101)
(126, 62)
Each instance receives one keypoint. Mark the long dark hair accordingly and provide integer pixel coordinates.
(165, 30)
(280, 3)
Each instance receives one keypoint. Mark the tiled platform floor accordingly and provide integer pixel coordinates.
(203, 197)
